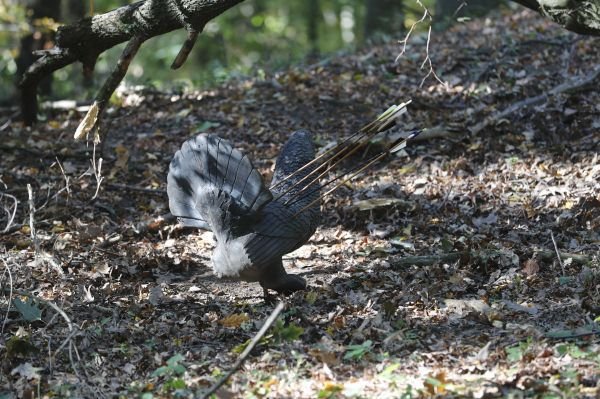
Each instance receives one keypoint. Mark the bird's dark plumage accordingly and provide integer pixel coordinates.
(213, 186)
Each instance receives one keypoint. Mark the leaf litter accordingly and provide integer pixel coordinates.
(434, 273)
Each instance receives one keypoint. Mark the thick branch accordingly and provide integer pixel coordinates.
(36, 72)
(580, 16)
(531, 4)
(86, 39)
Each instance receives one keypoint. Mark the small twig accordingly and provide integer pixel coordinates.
(560, 262)
(32, 221)
(10, 294)
(62, 170)
(9, 121)
(69, 324)
(97, 170)
(460, 7)
(270, 320)
(66, 341)
(427, 60)
(404, 42)
(50, 198)
(69, 341)
(11, 215)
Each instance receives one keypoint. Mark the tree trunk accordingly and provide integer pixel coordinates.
(383, 17)
(39, 39)
(313, 12)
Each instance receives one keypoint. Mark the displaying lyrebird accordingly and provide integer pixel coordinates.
(213, 186)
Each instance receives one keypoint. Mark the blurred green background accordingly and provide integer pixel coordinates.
(254, 37)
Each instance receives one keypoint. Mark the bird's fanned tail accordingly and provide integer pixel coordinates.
(212, 185)
(207, 166)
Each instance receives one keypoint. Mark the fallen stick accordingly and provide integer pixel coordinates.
(427, 260)
(557, 253)
(10, 214)
(549, 256)
(10, 293)
(153, 191)
(270, 320)
(572, 336)
(573, 85)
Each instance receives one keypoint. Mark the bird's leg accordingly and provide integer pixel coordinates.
(267, 297)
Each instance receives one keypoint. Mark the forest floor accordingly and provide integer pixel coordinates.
(434, 273)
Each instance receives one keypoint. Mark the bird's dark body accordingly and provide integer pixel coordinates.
(213, 186)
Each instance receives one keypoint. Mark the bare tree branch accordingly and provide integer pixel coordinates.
(90, 121)
(85, 40)
(188, 45)
(10, 211)
(427, 60)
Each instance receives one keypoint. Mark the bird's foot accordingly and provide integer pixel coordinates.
(268, 297)
(286, 285)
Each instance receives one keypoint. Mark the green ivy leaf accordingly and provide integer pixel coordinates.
(356, 352)
(159, 372)
(176, 383)
(290, 332)
(173, 360)
(28, 309)
(514, 354)
(206, 125)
